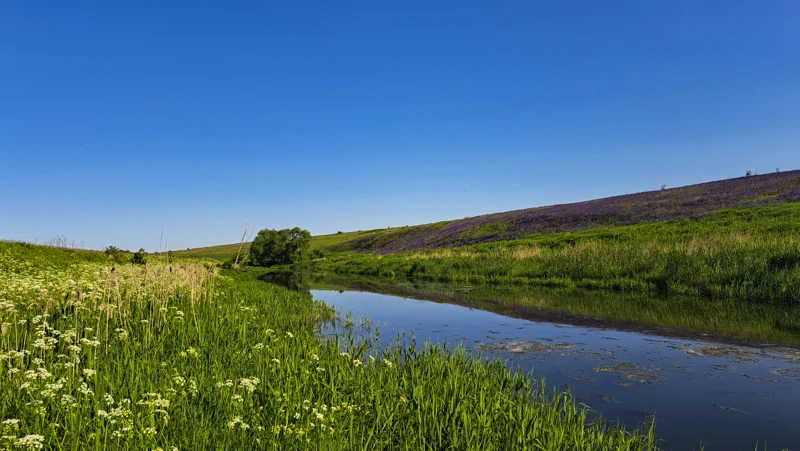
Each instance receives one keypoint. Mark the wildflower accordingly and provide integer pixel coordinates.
(232, 424)
(387, 363)
(32, 441)
(250, 384)
(289, 334)
(68, 401)
(92, 343)
(84, 389)
(89, 372)
(276, 361)
(193, 390)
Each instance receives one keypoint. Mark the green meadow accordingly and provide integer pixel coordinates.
(179, 356)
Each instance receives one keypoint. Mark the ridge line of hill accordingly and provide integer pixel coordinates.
(687, 202)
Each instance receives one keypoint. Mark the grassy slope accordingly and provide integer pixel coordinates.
(149, 357)
(690, 202)
(223, 251)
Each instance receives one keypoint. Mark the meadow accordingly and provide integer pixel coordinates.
(742, 254)
(179, 356)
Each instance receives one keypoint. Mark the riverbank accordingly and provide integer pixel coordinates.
(177, 355)
(743, 254)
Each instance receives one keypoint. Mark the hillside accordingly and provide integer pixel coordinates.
(689, 202)
(223, 251)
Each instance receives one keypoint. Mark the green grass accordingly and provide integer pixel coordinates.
(180, 357)
(741, 254)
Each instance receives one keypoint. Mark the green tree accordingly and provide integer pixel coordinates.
(279, 247)
(140, 257)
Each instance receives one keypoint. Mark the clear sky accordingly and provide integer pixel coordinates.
(120, 119)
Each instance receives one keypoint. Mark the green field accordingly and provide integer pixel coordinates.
(179, 356)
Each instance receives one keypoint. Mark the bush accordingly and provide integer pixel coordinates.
(117, 254)
(112, 252)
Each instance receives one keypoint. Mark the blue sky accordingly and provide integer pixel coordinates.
(118, 120)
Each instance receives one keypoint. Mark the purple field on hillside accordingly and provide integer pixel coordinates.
(692, 201)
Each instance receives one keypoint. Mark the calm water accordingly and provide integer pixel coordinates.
(702, 393)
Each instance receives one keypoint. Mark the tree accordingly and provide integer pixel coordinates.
(279, 247)
(112, 252)
(140, 257)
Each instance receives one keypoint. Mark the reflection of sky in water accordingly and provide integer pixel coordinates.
(724, 403)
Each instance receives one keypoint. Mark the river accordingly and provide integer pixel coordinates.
(724, 388)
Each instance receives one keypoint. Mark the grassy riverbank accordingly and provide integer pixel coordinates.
(179, 357)
(750, 253)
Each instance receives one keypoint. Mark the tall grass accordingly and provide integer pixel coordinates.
(741, 254)
(178, 357)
